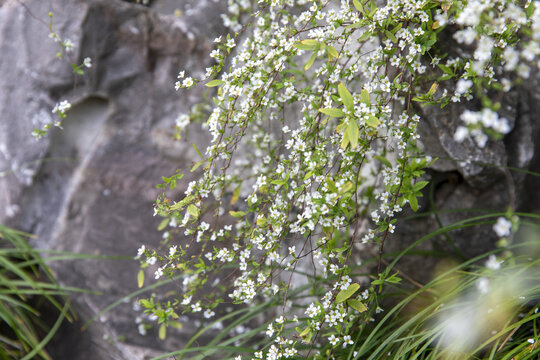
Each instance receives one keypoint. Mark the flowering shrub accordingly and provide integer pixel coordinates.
(66, 47)
(315, 152)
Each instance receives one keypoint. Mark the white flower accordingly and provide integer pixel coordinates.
(502, 227)
(188, 82)
(172, 250)
(208, 314)
(483, 285)
(230, 43)
(461, 133)
(333, 340)
(196, 307)
(493, 263)
(151, 261)
(87, 62)
(140, 251)
(68, 44)
(463, 86)
(187, 300)
(61, 107)
(158, 273)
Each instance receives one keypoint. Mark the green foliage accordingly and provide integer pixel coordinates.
(24, 278)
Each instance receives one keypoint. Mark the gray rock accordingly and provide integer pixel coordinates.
(89, 188)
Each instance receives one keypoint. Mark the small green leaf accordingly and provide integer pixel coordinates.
(332, 51)
(197, 165)
(446, 69)
(413, 201)
(364, 36)
(197, 150)
(305, 334)
(145, 303)
(352, 131)
(301, 46)
(237, 214)
(193, 210)
(261, 221)
(372, 121)
(163, 224)
(140, 278)
(347, 293)
(433, 88)
(383, 160)
(236, 194)
(346, 97)
(214, 83)
(333, 112)
(420, 185)
(162, 332)
(331, 185)
(310, 61)
(345, 140)
(356, 305)
(530, 9)
(310, 42)
(391, 36)
(364, 97)
(183, 202)
(358, 6)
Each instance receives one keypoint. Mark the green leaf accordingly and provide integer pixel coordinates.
(310, 61)
(197, 165)
(140, 278)
(352, 131)
(420, 185)
(332, 112)
(356, 305)
(358, 6)
(163, 224)
(193, 210)
(236, 194)
(197, 150)
(433, 88)
(364, 97)
(446, 69)
(237, 214)
(305, 334)
(261, 221)
(331, 185)
(413, 201)
(372, 121)
(162, 332)
(183, 202)
(346, 97)
(345, 140)
(332, 51)
(310, 42)
(347, 293)
(383, 160)
(301, 46)
(214, 83)
(391, 36)
(530, 9)
(364, 36)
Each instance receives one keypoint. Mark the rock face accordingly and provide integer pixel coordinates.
(89, 188)
(469, 177)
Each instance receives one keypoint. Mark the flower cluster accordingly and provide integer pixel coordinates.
(314, 150)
